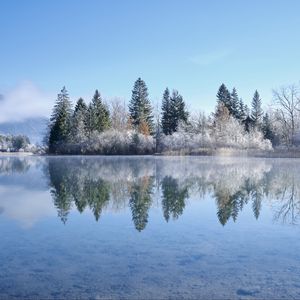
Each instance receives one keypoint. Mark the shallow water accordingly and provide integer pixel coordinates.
(149, 227)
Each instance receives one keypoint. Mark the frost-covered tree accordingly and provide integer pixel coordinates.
(89, 117)
(60, 121)
(166, 111)
(119, 115)
(234, 104)
(267, 129)
(248, 123)
(242, 110)
(223, 96)
(20, 142)
(78, 131)
(100, 120)
(286, 102)
(140, 110)
(256, 110)
(199, 123)
(178, 112)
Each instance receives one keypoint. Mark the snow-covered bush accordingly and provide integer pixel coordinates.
(113, 142)
(229, 133)
(15, 143)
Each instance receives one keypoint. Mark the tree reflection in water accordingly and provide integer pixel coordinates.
(115, 183)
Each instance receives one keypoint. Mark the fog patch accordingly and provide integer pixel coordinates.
(23, 101)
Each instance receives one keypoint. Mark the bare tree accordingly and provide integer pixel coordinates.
(287, 107)
(199, 122)
(119, 115)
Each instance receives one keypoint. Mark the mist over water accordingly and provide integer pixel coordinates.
(149, 227)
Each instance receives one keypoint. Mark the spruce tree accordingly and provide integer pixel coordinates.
(78, 121)
(99, 114)
(234, 104)
(242, 114)
(60, 122)
(177, 111)
(267, 129)
(248, 123)
(256, 111)
(166, 119)
(80, 106)
(223, 96)
(140, 110)
(88, 122)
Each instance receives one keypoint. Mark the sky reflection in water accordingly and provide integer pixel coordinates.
(149, 227)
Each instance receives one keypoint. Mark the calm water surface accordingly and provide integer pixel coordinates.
(149, 227)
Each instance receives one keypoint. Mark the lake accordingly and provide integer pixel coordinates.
(149, 227)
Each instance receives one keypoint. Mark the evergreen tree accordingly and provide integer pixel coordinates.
(99, 114)
(78, 121)
(140, 109)
(267, 129)
(248, 123)
(242, 114)
(80, 106)
(89, 124)
(166, 109)
(223, 96)
(60, 122)
(178, 112)
(256, 111)
(234, 104)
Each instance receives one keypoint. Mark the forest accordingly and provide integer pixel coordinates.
(112, 128)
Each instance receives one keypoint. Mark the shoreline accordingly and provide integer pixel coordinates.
(222, 152)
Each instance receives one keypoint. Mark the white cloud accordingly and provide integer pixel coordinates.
(27, 209)
(211, 57)
(23, 101)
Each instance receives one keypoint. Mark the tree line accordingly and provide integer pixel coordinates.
(101, 128)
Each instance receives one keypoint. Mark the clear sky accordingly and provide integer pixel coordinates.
(192, 46)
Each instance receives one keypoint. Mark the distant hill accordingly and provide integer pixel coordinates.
(34, 128)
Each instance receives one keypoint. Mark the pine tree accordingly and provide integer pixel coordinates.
(248, 123)
(223, 96)
(242, 114)
(78, 121)
(60, 122)
(140, 109)
(80, 106)
(166, 119)
(267, 129)
(256, 111)
(99, 114)
(234, 104)
(88, 122)
(178, 112)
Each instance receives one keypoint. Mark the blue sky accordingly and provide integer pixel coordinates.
(192, 46)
